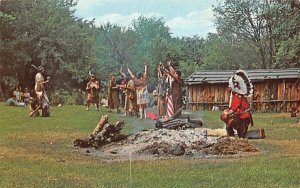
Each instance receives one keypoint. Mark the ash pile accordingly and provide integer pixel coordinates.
(188, 143)
(176, 137)
(198, 143)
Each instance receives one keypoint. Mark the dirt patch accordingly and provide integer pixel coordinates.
(230, 146)
(287, 146)
(162, 143)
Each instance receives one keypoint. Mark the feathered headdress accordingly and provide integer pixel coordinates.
(39, 68)
(241, 84)
(91, 74)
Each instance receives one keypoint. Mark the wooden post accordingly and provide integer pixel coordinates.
(284, 97)
(251, 103)
(194, 97)
(187, 93)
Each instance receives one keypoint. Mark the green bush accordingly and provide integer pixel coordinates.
(67, 97)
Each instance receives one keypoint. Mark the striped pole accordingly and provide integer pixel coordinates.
(170, 107)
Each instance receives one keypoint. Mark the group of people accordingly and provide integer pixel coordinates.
(136, 95)
(134, 88)
(169, 96)
(168, 93)
(36, 99)
(20, 98)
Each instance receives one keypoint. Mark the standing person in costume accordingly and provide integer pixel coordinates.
(238, 116)
(113, 94)
(173, 88)
(123, 81)
(130, 96)
(161, 91)
(40, 91)
(93, 89)
(141, 91)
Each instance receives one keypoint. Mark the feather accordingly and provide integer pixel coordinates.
(34, 66)
(240, 83)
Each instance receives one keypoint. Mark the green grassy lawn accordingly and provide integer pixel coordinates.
(39, 152)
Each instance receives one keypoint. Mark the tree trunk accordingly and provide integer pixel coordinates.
(262, 57)
(271, 48)
(2, 98)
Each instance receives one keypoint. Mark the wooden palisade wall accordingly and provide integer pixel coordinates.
(269, 95)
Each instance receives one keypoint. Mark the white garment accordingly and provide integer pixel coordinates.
(18, 96)
(142, 96)
(39, 90)
(38, 78)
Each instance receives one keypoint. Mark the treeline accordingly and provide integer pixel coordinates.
(251, 34)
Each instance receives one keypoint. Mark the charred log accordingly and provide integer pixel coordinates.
(104, 133)
(179, 123)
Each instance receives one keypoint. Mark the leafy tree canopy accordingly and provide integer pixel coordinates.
(251, 34)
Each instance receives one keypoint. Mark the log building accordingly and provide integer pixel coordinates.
(276, 90)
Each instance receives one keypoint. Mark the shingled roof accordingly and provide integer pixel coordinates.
(256, 75)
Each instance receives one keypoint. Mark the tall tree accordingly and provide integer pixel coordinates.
(150, 32)
(152, 37)
(287, 33)
(228, 52)
(47, 33)
(245, 20)
(270, 27)
(192, 54)
(115, 47)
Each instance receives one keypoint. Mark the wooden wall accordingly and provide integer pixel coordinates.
(205, 96)
(269, 95)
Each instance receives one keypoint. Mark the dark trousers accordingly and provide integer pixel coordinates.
(240, 125)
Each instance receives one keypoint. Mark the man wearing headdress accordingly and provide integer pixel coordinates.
(93, 89)
(238, 116)
(40, 83)
(40, 91)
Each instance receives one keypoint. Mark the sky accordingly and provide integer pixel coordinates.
(185, 18)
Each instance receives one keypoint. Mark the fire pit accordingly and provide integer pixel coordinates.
(164, 143)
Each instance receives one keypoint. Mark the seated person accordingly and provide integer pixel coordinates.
(26, 96)
(17, 94)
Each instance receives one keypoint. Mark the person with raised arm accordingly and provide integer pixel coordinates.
(42, 98)
(142, 95)
(174, 100)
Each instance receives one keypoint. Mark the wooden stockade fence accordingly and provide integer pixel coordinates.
(276, 90)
